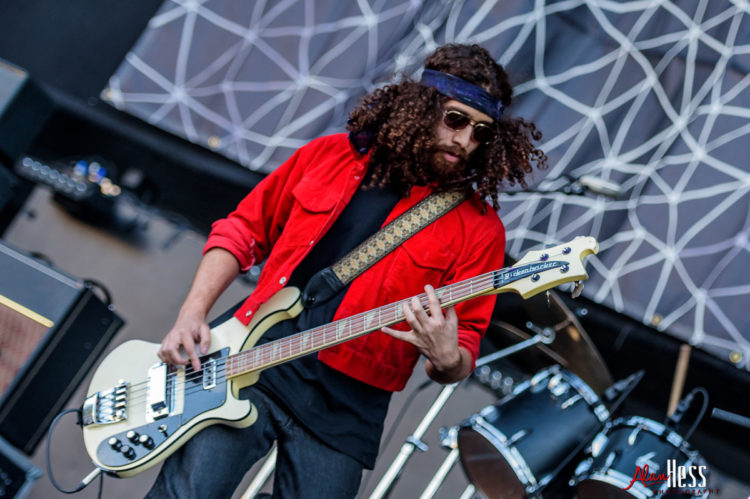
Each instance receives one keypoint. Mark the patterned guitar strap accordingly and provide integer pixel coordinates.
(329, 281)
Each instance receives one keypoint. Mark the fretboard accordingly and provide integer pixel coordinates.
(327, 335)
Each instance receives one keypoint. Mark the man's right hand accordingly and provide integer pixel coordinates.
(217, 270)
(179, 345)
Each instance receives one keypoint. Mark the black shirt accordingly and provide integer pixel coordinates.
(344, 413)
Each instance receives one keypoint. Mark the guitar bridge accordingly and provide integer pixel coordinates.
(107, 407)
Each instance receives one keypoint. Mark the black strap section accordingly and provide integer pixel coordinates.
(321, 287)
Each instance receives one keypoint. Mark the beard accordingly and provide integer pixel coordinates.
(443, 171)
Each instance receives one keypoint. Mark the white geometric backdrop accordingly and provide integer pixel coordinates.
(651, 95)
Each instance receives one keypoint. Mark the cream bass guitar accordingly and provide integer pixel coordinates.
(138, 410)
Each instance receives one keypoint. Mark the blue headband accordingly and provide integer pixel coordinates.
(463, 91)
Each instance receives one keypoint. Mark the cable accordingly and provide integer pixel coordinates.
(98, 285)
(702, 412)
(86, 480)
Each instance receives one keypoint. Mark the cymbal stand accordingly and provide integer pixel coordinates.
(468, 492)
(439, 477)
(414, 441)
(260, 479)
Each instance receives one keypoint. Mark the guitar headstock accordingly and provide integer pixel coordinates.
(541, 270)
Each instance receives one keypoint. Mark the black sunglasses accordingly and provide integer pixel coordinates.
(456, 120)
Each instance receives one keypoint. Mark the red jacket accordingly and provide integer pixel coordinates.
(291, 209)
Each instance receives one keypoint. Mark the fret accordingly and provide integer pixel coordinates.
(369, 317)
(305, 339)
(340, 329)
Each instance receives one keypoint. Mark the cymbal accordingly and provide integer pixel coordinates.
(572, 348)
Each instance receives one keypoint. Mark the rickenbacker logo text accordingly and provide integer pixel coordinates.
(677, 479)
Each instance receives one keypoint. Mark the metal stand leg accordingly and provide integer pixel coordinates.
(468, 492)
(412, 442)
(262, 476)
(439, 477)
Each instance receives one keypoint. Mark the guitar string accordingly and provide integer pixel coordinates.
(322, 332)
(318, 337)
(356, 320)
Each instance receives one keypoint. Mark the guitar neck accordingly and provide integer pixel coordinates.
(299, 344)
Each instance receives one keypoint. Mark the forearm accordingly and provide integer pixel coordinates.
(216, 271)
(450, 373)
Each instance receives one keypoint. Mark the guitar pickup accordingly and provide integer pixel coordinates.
(209, 374)
(157, 400)
(106, 407)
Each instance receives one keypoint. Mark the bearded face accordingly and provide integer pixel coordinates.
(455, 141)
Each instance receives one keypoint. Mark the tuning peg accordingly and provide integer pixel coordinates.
(577, 289)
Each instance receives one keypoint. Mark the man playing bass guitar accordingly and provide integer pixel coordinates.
(447, 132)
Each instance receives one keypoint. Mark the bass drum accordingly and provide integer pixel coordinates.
(514, 448)
(631, 443)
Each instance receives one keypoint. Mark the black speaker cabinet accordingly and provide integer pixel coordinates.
(24, 110)
(17, 474)
(53, 327)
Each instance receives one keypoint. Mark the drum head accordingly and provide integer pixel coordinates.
(486, 468)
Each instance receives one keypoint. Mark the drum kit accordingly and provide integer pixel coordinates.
(552, 434)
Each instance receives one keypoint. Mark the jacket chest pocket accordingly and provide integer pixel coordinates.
(313, 209)
(421, 260)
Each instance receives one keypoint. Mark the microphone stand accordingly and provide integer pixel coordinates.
(414, 441)
(577, 186)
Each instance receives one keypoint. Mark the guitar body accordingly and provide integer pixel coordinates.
(126, 443)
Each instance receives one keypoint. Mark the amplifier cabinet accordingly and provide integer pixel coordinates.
(53, 328)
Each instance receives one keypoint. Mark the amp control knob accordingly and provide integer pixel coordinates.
(114, 443)
(127, 451)
(132, 436)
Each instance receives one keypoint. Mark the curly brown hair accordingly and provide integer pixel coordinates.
(401, 119)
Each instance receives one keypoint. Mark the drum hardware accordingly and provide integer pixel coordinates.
(413, 441)
(469, 492)
(516, 447)
(260, 478)
(439, 477)
(628, 444)
(494, 380)
(501, 444)
(572, 347)
(683, 406)
(619, 390)
(730, 417)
